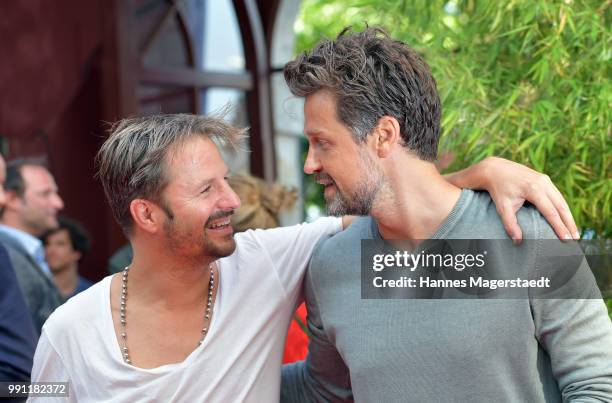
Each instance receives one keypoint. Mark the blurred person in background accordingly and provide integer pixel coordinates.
(262, 202)
(17, 334)
(65, 246)
(120, 259)
(31, 207)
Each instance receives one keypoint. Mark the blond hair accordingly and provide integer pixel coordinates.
(261, 202)
(132, 161)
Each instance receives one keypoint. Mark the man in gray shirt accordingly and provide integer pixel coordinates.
(372, 118)
(32, 204)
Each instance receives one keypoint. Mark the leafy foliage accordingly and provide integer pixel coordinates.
(527, 80)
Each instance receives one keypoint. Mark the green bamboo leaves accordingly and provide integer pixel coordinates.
(528, 80)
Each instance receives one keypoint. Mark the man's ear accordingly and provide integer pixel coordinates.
(13, 200)
(146, 215)
(387, 136)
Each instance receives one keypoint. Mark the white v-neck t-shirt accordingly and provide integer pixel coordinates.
(240, 358)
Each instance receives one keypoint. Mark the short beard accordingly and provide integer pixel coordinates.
(177, 240)
(215, 250)
(361, 201)
(218, 251)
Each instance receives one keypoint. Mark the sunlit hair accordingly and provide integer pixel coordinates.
(132, 161)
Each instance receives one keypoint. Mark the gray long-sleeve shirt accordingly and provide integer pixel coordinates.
(452, 350)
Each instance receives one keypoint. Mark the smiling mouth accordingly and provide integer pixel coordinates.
(220, 224)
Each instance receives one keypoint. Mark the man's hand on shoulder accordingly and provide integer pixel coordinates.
(511, 184)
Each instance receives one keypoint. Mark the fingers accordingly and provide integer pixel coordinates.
(521, 183)
(541, 200)
(564, 211)
(508, 216)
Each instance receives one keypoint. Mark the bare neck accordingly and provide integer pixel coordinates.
(156, 276)
(415, 201)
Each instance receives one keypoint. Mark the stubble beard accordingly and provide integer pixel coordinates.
(218, 250)
(361, 201)
(196, 244)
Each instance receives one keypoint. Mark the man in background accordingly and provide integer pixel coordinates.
(32, 204)
(65, 246)
(17, 334)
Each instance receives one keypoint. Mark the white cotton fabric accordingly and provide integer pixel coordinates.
(240, 359)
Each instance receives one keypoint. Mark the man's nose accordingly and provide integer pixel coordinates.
(312, 164)
(57, 202)
(230, 200)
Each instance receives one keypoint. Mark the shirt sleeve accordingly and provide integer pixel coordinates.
(577, 334)
(290, 248)
(323, 376)
(573, 326)
(48, 367)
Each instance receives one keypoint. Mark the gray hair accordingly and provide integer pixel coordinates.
(132, 161)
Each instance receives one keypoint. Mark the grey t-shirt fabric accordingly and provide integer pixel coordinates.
(453, 350)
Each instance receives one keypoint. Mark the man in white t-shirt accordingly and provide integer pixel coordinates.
(194, 317)
(199, 315)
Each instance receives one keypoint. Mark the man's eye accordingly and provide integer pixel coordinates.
(205, 190)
